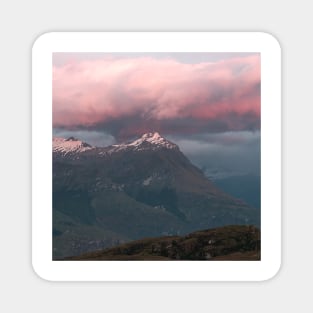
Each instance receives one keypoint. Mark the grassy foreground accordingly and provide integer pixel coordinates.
(231, 243)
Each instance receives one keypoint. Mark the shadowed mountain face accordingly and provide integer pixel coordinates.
(146, 188)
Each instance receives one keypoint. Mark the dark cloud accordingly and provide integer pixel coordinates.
(237, 152)
(136, 125)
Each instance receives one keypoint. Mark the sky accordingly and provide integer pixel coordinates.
(207, 103)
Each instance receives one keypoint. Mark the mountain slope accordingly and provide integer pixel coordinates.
(143, 188)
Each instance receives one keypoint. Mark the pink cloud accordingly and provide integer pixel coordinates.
(98, 91)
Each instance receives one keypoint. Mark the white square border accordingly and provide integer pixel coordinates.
(260, 42)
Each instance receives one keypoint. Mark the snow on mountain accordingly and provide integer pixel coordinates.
(149, 141)
(70, 145)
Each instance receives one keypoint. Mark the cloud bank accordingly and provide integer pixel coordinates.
(129, 96)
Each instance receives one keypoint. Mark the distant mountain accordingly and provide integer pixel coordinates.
(143, 188)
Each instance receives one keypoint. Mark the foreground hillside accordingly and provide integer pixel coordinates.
(238, 242)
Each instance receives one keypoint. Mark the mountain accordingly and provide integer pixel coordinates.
(142, 188)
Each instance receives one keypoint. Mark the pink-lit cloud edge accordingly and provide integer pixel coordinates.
(154, 92)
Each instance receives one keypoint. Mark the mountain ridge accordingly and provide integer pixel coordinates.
(147, 141)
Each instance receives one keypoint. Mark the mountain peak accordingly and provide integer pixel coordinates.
(69, 145)
(148, 141)
(154, 135)
(71, 139)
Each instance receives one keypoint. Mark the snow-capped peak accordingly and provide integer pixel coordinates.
(154, 140)
(69, 145)
(151, 136)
